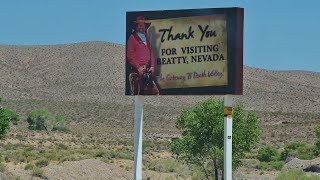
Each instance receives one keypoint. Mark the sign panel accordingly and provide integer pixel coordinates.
(228, 111)
(184, 52)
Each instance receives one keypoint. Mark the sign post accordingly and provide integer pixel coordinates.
(138, 119)
(227, 137)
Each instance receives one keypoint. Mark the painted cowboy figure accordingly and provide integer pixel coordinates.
(141, 59)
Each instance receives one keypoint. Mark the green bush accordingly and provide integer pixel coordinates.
(317, 147)
(42, 119)
(272, 165)
(299, 149)
(13, 116)
(7, 116)
(268, 154)
(60, 124)
(296, 174)
(317, 144)
(15, 156)
(202, 131)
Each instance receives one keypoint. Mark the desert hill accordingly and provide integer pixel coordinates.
(94, 71)
(85, 82)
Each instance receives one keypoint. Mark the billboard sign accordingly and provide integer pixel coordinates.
(184, 52)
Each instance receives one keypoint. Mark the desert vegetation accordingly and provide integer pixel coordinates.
(202, 136)
(34, 150)
(42, 119)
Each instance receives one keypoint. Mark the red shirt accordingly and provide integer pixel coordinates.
(139, 53)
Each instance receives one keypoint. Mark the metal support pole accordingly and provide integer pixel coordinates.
(227, 137)
(138, 117)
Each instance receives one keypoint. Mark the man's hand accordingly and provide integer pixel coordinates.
(140, 71)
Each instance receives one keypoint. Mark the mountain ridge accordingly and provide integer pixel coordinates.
(95, 71)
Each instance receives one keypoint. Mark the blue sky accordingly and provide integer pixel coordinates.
(278, 34)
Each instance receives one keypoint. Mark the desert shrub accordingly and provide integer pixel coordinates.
(164, 165)
(75, 157)
(250, 163)
(13, 116)
(29, 167)
(107, 160)
(251, 155)
(63, 146)
(296, 174)
(2, 167)
(42, 163)
(15, 157)
(54, 155)
(61, 129)
(317, 144)
(272, 165)
(300, 150)
(127, 168)
(146, 145)
(20, 158)
(30, 154)
(100, 154)
(60, 124)
(119, 155)
(197, 174)
(38, 172)
(317, 147)
(42, 119)
(267, 154)
(6, 116)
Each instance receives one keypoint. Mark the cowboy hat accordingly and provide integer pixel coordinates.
(141, 19)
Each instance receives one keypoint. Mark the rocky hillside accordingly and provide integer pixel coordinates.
(94, 71)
